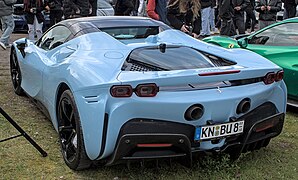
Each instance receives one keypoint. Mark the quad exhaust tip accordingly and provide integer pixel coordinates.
(243, 106)
(194, 112)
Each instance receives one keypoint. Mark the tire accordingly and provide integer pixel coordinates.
(70, 133)
(16, 75)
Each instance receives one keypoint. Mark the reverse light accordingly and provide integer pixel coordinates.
(121, 91)
(279, 76)
(146, 90)
(269, 78)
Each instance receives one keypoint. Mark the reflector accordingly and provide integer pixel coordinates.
(154, 145)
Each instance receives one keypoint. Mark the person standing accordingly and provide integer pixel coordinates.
(7, 21)
(93, 7)
(157, 9)
(56, 10)
(206, 13)
(226, 14)
(290, 8)
(142, 8)
(76, 8)
(250, 16)
(184, 15)
(34, 17)
(124, 7)
(136, 4)
(105, 8)
(212, 17)
(268, 10)
(239, 8)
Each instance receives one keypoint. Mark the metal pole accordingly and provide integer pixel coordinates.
(23, 133)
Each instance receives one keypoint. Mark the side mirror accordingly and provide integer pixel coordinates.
(243, 42)
(21, 46)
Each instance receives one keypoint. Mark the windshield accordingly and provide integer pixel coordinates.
(166, 59)
(131, 32)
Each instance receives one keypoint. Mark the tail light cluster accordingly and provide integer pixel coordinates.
(142, 90)
(271, 77)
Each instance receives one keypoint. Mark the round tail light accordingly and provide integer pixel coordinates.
(279, 76)
(269, 78)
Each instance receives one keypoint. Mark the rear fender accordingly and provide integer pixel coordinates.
(91, 105)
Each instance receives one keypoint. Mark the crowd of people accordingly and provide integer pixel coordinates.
(198, 18)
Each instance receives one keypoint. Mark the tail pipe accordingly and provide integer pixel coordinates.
(194, 112)
(243, 106)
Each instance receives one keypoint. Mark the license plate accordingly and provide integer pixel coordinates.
(219, 130)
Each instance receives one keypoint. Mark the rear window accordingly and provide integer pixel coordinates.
(166, 59)
(131, 32)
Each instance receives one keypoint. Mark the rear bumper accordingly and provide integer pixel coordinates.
(153, 139)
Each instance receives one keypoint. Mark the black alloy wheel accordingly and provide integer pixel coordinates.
(70, 133)
(15, 72)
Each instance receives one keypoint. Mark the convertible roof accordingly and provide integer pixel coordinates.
(99, 22)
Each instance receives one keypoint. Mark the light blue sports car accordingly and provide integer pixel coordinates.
(127, 88)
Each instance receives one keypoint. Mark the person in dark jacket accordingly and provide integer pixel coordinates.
(124, 7)
(290, 8)
(239, 8)
(7, 21)
(76, 8)
(55, 8)
(93, 7)
(157, 9)
(268, 10)
(136, 4)
(34, 17)
(250, 16)
(185, 16)
(226, 14)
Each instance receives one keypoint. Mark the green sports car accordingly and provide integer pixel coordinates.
(278, 43)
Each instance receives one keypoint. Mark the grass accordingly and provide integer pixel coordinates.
(19, 160)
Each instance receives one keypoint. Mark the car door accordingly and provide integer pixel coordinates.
(52, 43)
(280, 45)
(32, 67)
(38, 58)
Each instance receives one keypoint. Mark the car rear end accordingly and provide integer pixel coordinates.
(174, 101)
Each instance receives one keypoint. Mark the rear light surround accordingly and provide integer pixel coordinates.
(272, 77)
(121, 91)
(146, 90)
(142, 90)
(279, 76)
